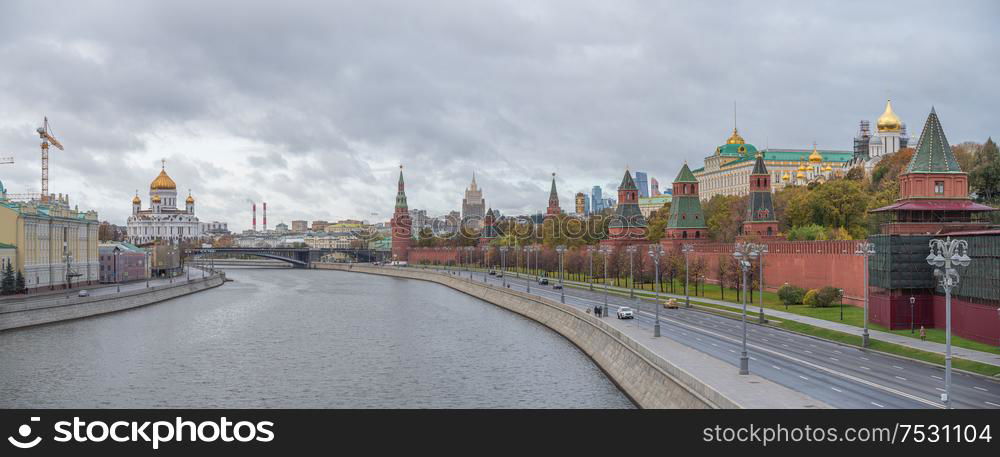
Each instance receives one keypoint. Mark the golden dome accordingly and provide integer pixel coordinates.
(803, 167)
(156, 199)
(136, 200)
(190, 200)
(163, 182)
(786, 176)
(735, 138)
(815, 156)
(827, 168)
(801, 174)
(888, 121)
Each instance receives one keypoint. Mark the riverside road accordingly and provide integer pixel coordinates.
(840, 375)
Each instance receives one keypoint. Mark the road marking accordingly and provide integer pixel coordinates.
(763, 339)
(837, 390)
(732, 351)
(803, 377)
(864, 358)
(936, 377)
(808, 351)
(897, 367)
(834, 359)
(775, 367)
(838, 352)
(753, 358)
(864, 367)
(900, 377)
(716, 345)
(876, 404)
(785, 345)
(812, 345)
(980, 388)
(992, 404)
(938, 388)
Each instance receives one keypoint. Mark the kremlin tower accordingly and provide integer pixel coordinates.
(402, 230)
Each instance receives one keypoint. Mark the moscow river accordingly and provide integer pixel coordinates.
(286, 338)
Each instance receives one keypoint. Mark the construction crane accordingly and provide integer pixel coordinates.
(47, 138)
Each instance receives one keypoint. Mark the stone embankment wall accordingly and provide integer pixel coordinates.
(28, 312)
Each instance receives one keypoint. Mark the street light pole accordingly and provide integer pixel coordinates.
(761, 250)
(865, 249)
(655, 251)
(687, 249)
(503, 266)
(605, 251)
(744, 253)
(527, 266)
(945, 255)
(486, 250)
(562, 288)
(913, 301)
(590, 251)
(631, 278)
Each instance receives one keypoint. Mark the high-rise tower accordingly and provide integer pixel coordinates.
(402, 230)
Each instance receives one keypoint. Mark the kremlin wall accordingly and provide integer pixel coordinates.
(935, 205)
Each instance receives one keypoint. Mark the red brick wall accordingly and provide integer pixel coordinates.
(807, 264)
(432, 255)
(974, 321)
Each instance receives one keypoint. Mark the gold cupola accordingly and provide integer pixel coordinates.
(163, 181)
(815, 156)
(786, 176)
(735, 138)
(136, 200)
(156, 199)
(888, 121)
(189, 200)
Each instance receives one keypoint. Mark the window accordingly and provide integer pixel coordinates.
(938, 187)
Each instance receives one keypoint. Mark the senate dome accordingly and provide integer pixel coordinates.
(888, 121)
(163, 182)
(735, 138)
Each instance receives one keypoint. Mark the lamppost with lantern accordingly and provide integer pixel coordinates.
(913, 301)
(744, 254)
(486, 249)
(590, 252)
(503, 266)
(562, 289)
(605, 251)
(865, 249)
(527, 267)
(656, 251)
(687, 249)
(631, 249)
(945, 255)
(761, 250)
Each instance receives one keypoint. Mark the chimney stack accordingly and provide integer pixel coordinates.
(265, 217)
(254, 217)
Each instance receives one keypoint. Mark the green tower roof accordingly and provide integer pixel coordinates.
(933, 154)
(685, 175)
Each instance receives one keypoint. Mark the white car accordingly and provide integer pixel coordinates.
(625, 313)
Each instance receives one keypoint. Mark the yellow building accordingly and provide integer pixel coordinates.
(49, 237)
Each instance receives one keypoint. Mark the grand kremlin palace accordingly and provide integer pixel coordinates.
(727, 171)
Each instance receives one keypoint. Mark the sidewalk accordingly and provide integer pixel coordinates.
(929, 346)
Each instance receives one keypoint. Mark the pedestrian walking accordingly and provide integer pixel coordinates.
(923, 333)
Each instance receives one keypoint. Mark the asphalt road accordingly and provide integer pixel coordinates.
(99, 290)
(840, 375)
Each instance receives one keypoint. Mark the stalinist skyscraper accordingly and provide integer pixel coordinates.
(473, 205)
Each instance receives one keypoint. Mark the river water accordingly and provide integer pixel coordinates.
(303, 339)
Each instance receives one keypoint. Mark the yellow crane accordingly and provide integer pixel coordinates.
(45, 134)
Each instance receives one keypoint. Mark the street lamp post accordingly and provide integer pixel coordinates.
(486, 250)
(503, 266)
(761, 250)
(605, 250)
(590, 252)
(913, 301)
(744, 253)
(631, 278)
(841, 292)
(537, 272)
(656, 251)
(562, 288)
(945, 255)
(687, 249)
(865, 249)
(527, 267)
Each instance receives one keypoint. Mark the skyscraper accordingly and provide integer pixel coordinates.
(581, 203)
(654, 187)
(596, 200)
(642, 183)
(473, 205)
(586, 204)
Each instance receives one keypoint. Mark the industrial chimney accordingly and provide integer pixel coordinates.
(254, 218)
(265, 217)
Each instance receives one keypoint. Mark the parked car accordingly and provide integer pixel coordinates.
(493, 273)
(625, 313)
(500, 275)
(83, 293)
(557, 286)
(543, 281)
(671, 304)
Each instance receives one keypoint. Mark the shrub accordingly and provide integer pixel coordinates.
(827, 296)
(791, 295)
(810, 298)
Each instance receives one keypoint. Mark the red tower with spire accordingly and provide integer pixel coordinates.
(553, 210)
(402, 228)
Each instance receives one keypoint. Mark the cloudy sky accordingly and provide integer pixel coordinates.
(311, 106)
